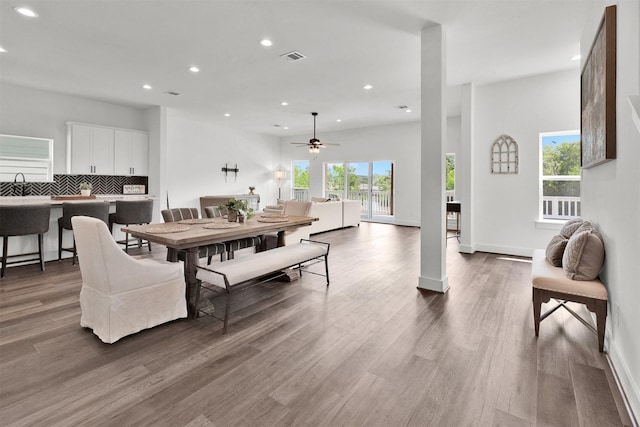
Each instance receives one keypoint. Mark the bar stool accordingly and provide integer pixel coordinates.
(22, 221)
(130, 212)
(98, 210)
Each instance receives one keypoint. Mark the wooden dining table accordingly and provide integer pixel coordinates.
(190, 234)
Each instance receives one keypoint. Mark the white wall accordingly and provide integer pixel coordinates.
(32, 112)
(398, 143)
(506, 206)
(611, 200)
(196, 152)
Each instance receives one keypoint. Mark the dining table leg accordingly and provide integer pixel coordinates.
(281, 238)
(191, 261)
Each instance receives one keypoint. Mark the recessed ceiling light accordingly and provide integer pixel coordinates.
(3, 50)
(194, 69)
(408, 110)
(284, 103)
(147, 87)
(339, 120)
(286, 128)
(368, 87)
(227, 115)
(25, 11)
(265, 42)
(576, 57)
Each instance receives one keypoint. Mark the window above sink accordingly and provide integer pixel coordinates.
(33, 157)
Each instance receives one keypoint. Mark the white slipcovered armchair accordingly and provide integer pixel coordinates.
(122, 295)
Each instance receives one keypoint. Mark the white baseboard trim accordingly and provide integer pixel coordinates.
(435, 285)
(628, 388)
(505, 250)
(407, 223)
(467, 249)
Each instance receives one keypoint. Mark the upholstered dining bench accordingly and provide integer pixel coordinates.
(549, 282)
(241, 273)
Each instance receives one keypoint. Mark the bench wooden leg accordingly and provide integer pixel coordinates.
(601, 318)
(537, 304)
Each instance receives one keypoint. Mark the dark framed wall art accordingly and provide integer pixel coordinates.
(598, 95)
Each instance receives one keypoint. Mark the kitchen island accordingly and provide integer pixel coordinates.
(25, 244)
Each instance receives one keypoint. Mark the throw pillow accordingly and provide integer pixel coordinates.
(570, 227)
(584, 255)
(319, 199)
(555, 250)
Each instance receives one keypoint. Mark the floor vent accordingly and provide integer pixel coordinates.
(293, 56)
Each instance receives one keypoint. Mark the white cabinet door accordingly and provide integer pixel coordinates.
(80, 149)
(140, 154)
(102, 151)
(131, 150)
(91, 150)
(122, 148)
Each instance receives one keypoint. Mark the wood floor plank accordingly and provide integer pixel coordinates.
(556, 402)
(594, 401)
(370, 349)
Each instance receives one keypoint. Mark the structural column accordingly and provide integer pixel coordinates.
(433, 265)
(464, 170)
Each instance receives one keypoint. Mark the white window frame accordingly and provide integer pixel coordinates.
(542, 178)
(35, 169)
(293, 180)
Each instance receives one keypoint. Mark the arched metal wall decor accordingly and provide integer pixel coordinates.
(504, 155)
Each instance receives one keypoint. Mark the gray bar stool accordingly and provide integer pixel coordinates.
(131, 212)
(98, 210)
(22, 221)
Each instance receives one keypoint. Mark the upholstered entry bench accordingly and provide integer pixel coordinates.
(550, 282)
(241, 273)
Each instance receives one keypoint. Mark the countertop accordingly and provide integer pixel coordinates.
(33, 200)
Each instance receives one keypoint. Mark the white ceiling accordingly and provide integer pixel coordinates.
(106, 49)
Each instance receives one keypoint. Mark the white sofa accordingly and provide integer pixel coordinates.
(331, 215)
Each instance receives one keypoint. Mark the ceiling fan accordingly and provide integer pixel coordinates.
(314, 143)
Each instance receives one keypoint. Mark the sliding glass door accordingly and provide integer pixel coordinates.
(369, 182)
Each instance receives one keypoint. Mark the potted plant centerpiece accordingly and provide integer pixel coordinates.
(234, 207)
(85, 189)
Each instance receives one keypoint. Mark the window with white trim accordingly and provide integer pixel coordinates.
(560, 175)
(33, 157)
(301, 180)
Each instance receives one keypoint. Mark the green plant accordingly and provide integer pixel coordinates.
(234, 205)
(86, 186)
(238, 206)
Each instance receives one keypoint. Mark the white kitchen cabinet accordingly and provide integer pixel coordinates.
(131, 151)
(90, 150)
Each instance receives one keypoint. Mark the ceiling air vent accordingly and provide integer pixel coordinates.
(293, 56)
(172, 92)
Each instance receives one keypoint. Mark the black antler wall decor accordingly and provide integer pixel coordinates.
(226, 169)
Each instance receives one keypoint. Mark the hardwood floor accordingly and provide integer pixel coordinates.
(369, 350)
